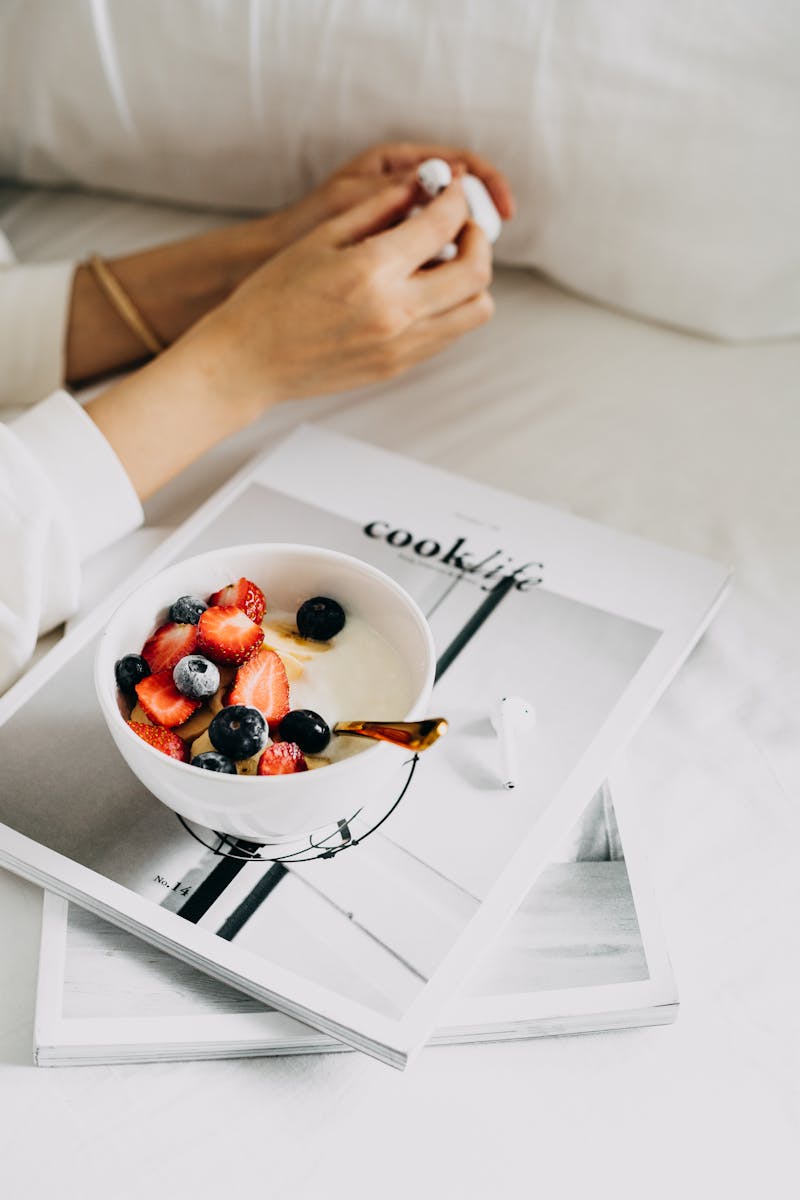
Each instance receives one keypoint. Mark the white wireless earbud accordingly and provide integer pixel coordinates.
(434, 175)
(511, 718)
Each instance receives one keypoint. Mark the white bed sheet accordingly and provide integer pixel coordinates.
(676, 438)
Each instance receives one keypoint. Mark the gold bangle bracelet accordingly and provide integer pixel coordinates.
(121, 301)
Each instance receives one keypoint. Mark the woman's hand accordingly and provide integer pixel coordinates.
(368, 173)
(350, 303)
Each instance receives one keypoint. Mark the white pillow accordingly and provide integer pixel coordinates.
(654, 148)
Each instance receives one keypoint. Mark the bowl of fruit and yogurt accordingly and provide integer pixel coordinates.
(222, 677)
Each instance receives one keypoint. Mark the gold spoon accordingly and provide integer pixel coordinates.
(411, 735)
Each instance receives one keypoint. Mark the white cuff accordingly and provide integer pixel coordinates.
(34, 303)
(98, 497)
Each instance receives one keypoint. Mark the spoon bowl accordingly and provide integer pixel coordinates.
(411, 735)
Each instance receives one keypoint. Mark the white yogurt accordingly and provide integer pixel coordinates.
(357, 675)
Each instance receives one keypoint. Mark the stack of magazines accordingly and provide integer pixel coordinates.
(452, 910)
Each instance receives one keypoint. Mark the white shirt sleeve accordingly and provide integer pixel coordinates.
(64, 495)
(34, 304)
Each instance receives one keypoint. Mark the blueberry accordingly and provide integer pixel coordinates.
(195, 676)
(307, 729)
(187, 610)
(320, 618)
(129, 671)
(238, 731)
(209, 760)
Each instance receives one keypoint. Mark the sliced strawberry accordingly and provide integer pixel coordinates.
(163, 739)
(261, 683)
(162, 702)
(227, 635)
(282, 758)
(168, 644)
(244, 595)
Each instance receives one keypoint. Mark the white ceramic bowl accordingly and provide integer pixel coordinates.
(277, 808)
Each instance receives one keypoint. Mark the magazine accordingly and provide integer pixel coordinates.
(583, 952)
(591, 627)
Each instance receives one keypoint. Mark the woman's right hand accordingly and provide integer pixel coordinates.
(350, 303)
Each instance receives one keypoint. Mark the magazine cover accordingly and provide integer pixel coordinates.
(587, 624)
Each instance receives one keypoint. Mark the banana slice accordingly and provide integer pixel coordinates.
(201, 744)
(198, 722)
(226, 677)
(248, 766)
(138, 714)
(294, 664)
(295, 651)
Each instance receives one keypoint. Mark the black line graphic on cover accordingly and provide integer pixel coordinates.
(252, 901)
(468, 631)
(212, 887)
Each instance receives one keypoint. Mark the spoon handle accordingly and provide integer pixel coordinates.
(413, 735)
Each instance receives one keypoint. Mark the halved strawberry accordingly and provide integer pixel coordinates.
(244, 595)
(162, 702)
(227, 635)
(163, 739)
(168, 645)
(282, 758)
(261, 683)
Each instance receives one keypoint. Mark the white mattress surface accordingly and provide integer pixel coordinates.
(675, 438)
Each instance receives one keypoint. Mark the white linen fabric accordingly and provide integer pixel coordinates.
(653, 147)
(64, 496)
(34, 300)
